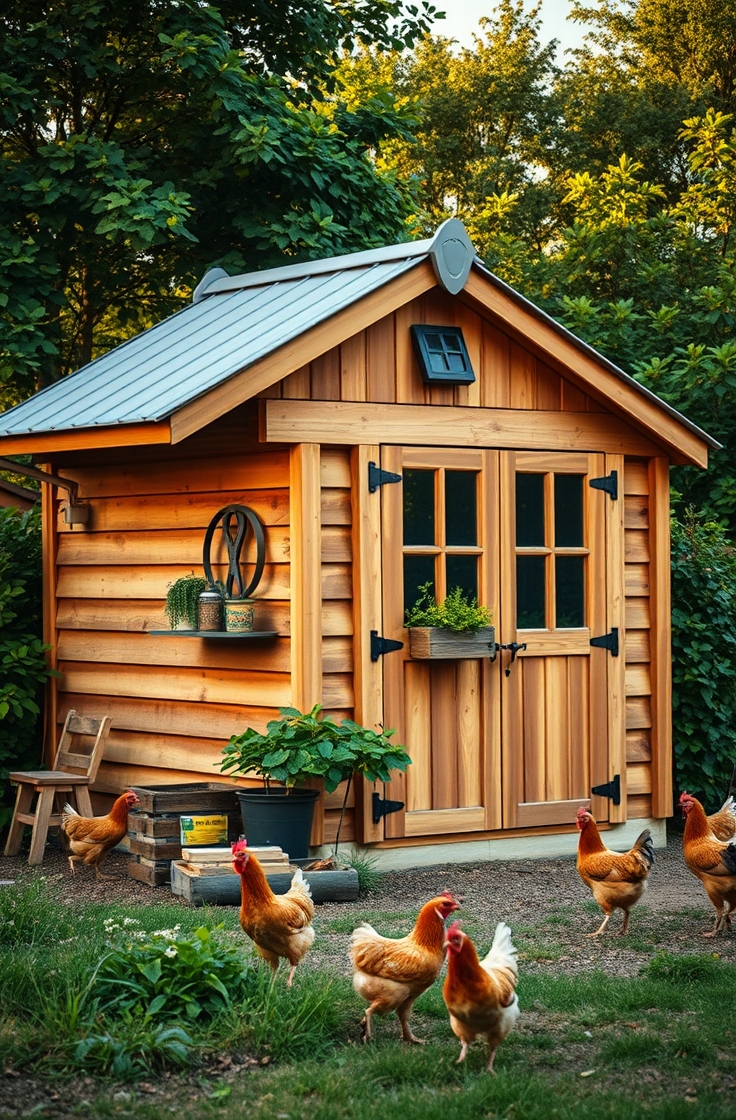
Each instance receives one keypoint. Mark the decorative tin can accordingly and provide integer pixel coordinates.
(239, 615)
(209, 610)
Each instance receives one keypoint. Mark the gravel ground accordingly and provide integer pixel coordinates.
(545, 903)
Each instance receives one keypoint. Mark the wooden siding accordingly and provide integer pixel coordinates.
(174, 702)
(378, 365)
(638, 644)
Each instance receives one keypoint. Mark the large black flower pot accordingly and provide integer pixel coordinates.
(278, 816)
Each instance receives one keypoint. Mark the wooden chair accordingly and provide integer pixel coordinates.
(77, 761)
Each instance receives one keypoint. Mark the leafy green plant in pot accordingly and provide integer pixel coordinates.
(301, 747)
(182, 600)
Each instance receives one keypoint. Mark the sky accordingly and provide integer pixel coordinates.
(462, 18)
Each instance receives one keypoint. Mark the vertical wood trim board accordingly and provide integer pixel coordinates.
(306, 591)
(661, 654)
(49, 548)
(306, 595)
(367, 615)
(615, 616)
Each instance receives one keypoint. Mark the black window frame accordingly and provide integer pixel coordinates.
(452, 342)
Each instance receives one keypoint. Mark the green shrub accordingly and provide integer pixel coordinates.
(134, 1048)
(23, 669)
(458, 611)
(703, 658)
(167, 974)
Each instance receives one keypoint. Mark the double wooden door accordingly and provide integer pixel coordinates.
(519, 740)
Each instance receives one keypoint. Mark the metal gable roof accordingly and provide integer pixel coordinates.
(235, 321)
(157, 372)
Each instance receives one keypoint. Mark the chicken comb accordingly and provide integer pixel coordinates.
(685, 796)
(238, 847)
(456, 927)
(583, 812)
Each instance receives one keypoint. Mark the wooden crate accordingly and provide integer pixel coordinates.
(224, 890)
(153, 826)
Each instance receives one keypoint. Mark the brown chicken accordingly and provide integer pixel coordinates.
(89, 839)
(723, 823)
(391, 973)
(481, 995)
(711, 859)
(279, 925)
(617, 879)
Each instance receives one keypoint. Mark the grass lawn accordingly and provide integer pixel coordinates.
(658, 1044)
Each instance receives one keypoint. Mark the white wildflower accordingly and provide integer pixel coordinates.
(171, 951)
(131, 922)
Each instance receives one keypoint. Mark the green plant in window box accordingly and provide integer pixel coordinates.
(457, 627)
(182, 600)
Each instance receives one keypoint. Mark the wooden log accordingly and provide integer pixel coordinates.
(224, 890)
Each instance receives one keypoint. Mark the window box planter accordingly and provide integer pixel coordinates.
(439, 643)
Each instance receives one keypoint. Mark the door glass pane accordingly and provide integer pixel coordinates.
(530, 592)
(419, 507)
(570, 590)
(417, 570)
(460, 508)
(462, 571)
(568, 510)
(529, 510)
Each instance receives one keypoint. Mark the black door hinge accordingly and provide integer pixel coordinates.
(611, 789)
(380, 645)
(378, 477)
(607, 641)
(609, 483)
(382, 807)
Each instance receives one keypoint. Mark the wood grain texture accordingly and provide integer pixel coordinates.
(306, 577)
(367, 614)
(560, 351)
(661, 650)
(347, 423)
(617, 589)
(265, 470)
(118, 435)
(49, 544)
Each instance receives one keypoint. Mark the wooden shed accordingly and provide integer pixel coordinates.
(525, 467)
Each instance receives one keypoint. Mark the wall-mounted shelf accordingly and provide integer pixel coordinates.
(244, 635)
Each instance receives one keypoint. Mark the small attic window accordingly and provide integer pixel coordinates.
(442, 355)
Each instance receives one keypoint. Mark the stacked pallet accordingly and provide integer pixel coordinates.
(154, 827)
(218, 861)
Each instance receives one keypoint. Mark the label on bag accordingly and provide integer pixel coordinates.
(203, 829)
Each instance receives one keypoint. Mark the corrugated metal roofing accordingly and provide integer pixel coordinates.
(234, 321)
(152, 375)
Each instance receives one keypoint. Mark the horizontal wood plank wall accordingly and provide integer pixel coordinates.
(637, 549)
(378, 365)
(174, 702)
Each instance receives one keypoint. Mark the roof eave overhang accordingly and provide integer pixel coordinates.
(84, 439)
(684, 442)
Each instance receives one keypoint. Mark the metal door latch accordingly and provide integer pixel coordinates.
(515, 648)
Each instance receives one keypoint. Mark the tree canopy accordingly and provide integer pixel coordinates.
(143, 142)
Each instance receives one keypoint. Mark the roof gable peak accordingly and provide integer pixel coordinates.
(450, 250)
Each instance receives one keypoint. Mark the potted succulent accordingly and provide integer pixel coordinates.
(456, 628)
(301, 747)
(182, 602)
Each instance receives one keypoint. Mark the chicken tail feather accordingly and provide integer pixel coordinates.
(502, 953)
(645, 845)
(728, 855)
(299, 883)
(68, 811)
